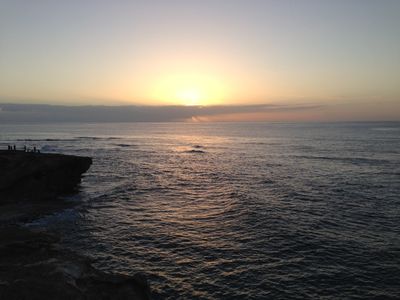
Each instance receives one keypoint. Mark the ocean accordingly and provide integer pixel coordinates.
(234, 210)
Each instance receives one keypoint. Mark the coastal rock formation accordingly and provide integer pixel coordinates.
(33, 265)
(37, 176)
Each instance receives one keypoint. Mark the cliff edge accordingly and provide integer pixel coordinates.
(38, 176)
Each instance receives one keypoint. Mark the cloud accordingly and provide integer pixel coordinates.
(55, 113)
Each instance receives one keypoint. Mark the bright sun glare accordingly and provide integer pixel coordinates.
(190, 96)
(189, 89)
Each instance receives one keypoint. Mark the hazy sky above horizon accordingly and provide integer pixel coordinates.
(344, 52)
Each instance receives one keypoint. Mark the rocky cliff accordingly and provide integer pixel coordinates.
(37, 176)
(33, 265)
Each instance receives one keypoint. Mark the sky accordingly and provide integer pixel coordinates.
(341, 56)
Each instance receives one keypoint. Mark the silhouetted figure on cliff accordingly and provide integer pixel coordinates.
(24, 148)
(15, 148)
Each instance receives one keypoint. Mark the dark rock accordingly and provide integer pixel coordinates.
(39, 176)
(33, 266)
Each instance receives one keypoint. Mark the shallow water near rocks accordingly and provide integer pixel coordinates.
(235, 210)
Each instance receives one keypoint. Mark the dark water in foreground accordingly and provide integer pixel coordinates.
(236, 211)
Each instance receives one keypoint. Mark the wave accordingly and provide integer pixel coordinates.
(66, 216)
(354, 160)
(194, 151)
(386, 128)
(49, 148)
(45, 140)
(97, 138)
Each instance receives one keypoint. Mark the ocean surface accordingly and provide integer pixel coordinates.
(235, 210)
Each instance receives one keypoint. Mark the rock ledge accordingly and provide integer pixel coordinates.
(39, 176)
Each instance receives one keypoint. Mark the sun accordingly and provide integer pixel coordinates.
(188, 89)
(190, 96)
